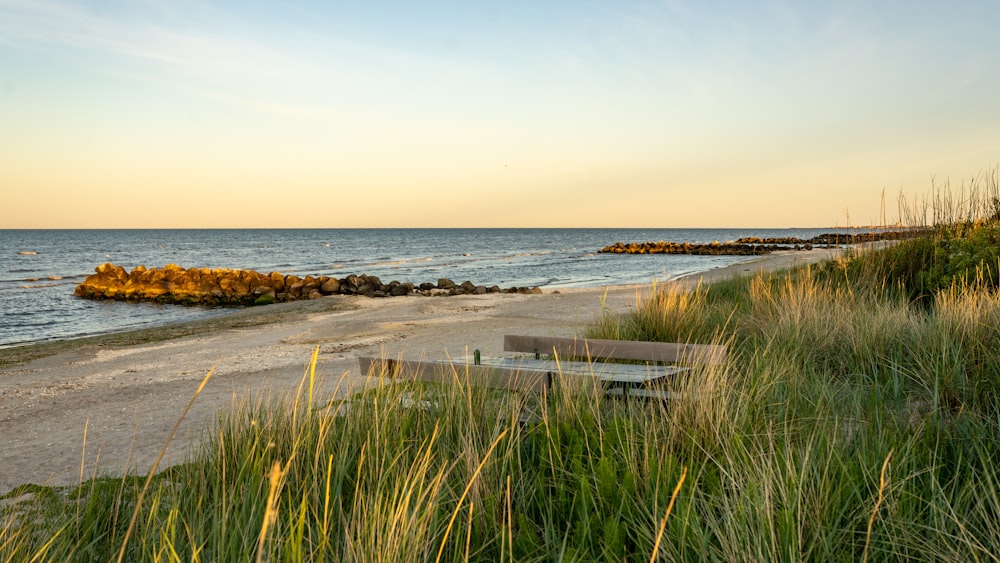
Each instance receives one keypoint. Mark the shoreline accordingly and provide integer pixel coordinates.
(127, 389)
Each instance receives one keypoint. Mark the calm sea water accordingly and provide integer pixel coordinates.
(36, 290)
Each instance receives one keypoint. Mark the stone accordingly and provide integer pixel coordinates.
(445, 283)
(240, 287)
(330, 286)
(106, 267)
(277, 281)
(401, 289)
(351, 283)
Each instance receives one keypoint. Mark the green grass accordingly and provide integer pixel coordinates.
(856, 418)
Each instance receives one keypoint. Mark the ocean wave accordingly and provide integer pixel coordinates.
(34, 279)
(506, 257)
(41, 285)
(398, 262)
(31, 319)
(584, 282)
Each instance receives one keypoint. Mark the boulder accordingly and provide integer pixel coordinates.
(330, 286)
(277, 281)
(351, 283)
(402, 289)
(240, 287)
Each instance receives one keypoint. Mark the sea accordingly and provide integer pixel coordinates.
(39, 269)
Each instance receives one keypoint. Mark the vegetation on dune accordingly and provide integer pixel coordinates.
(855, 418)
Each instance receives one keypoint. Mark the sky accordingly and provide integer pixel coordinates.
(627, 113)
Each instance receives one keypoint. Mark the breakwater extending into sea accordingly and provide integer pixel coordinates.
(176, 285)
(39, 269)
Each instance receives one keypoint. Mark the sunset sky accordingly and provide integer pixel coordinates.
(209, 113)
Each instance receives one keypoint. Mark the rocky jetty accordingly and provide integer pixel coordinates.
(831, 239)
(208, 286)
(747, 246)
(710, 249)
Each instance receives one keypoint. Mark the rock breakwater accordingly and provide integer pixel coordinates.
(224, 286)
(710, 249)
(827, 239)
(753, 245)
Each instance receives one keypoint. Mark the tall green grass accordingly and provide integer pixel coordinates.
(843, 426)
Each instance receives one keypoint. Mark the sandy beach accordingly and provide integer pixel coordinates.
(105, 405)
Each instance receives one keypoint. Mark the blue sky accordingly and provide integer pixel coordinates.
(396, 114)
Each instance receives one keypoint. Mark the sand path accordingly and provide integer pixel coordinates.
(98, 409)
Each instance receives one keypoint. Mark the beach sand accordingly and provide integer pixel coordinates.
(105, 405)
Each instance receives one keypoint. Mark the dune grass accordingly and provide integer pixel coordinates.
(855, 418)
(844, 425)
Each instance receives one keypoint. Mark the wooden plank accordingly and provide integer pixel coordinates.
(449, 372)
(616, 349)
(614, 373)
(497, 376)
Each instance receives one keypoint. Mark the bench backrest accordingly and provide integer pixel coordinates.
(597, 349)
(444, 372)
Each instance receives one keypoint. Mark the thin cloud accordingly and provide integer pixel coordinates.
(47, 25)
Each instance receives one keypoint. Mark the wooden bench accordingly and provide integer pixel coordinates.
(578, 362)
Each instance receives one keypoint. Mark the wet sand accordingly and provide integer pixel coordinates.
(105, 405)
